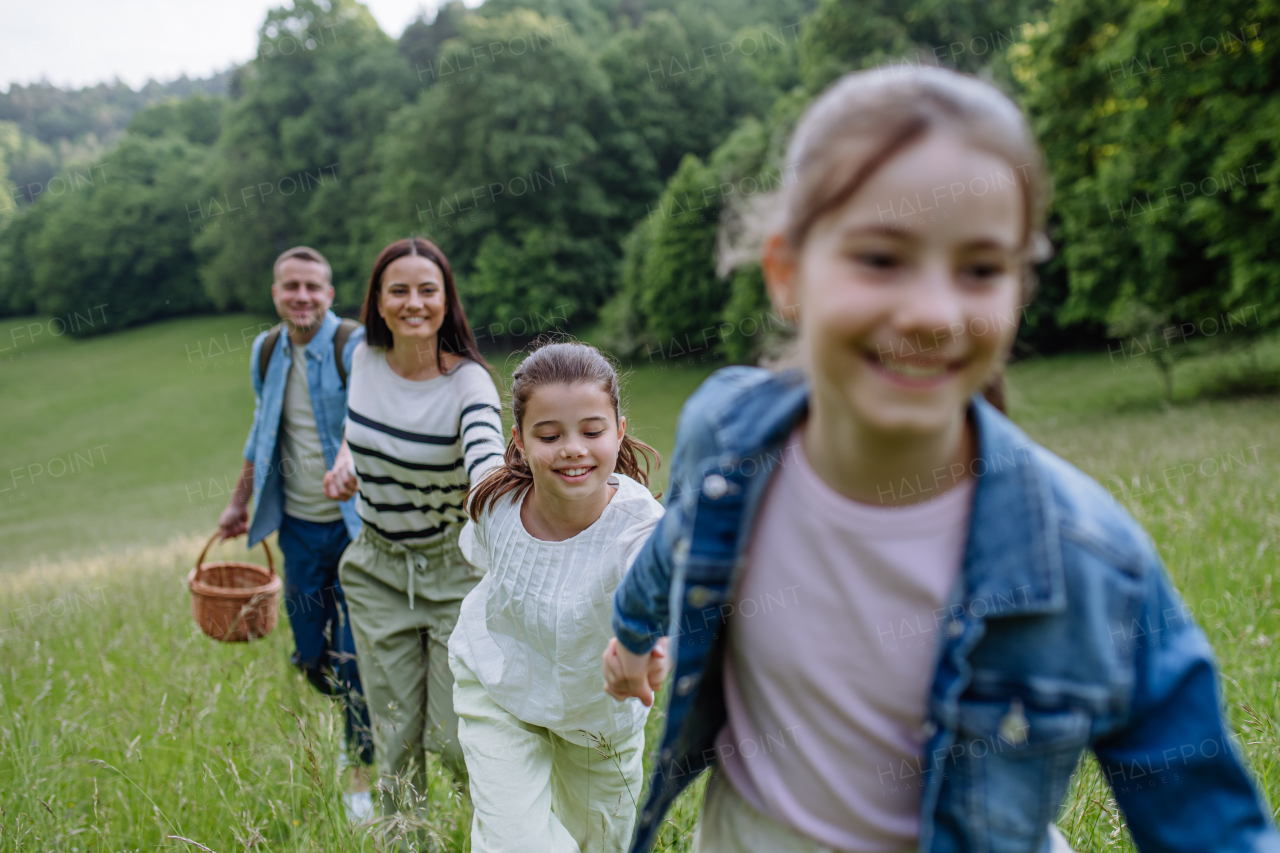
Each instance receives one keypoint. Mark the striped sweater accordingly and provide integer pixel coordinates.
(418, 445)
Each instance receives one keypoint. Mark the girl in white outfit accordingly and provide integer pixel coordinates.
(555, 764)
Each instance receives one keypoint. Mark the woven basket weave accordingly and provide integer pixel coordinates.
(233, 601)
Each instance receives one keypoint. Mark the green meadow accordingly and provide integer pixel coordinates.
(122, 728)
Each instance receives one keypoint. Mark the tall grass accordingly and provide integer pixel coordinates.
(123, 728)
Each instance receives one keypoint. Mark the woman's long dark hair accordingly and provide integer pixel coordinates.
(559, 363)
(454, 335)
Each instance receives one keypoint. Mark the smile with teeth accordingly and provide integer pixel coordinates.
(574, 473)
(914, 371)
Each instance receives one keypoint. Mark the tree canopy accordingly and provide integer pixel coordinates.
(575, 158)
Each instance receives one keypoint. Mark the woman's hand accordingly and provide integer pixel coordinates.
(627, 674)
(340, 481)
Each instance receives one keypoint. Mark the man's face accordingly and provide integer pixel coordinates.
(302, 294)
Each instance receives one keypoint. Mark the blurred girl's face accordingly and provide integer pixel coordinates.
(570, 438)
(908, 296)
(412, 299)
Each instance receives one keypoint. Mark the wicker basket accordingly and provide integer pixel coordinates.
(232, 601)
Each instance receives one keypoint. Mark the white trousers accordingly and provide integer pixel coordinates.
(532, 790)
(729, 824)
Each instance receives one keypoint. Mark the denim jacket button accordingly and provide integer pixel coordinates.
(666, 755)
(929, 729)
(699, 597)
(956, 629)
(715, 486)
(686, 684)
(681, 550)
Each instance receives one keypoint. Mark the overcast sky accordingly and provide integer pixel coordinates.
(81, 42)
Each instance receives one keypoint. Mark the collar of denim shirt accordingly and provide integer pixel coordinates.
(1013, 556)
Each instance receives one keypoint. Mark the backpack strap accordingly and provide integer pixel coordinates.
(268, 350)
(340, 337)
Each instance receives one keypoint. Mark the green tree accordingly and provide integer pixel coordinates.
(1158, 119)
(969, 35)
(296, 159)
(513, 157)
(18, 228)
(123, 242)
(197, 118)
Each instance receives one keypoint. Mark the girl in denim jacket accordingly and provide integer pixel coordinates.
(897, 621)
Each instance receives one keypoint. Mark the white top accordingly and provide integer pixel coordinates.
(831, 656)
(534, 628)
(301, 454)
(417, 445)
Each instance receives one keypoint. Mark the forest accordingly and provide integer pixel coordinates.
(574, 159)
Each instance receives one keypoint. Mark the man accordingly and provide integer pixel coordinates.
(299, 371)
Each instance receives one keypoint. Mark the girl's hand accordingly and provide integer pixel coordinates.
(627, 674)
(340, 482)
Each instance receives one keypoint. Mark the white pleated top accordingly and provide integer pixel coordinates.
(534, 628)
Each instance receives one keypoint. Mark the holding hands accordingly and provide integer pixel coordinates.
(627, 674)
(340, 481)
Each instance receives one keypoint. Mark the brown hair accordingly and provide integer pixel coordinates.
(454, 335)
(305, 253)
(860, 123)
(557, 363)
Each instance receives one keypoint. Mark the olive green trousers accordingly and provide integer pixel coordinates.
(403, 604)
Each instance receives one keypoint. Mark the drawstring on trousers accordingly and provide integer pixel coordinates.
(413, 562)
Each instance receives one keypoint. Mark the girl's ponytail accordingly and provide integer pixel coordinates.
(513, 475)
(634, 459)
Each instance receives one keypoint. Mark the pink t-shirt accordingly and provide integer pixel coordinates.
(831, 657)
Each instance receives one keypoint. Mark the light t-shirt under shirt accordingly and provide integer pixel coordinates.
(534, 628)
(301, 454)
(831, 657)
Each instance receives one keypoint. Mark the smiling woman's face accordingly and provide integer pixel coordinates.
(908, 295)
(412, 299)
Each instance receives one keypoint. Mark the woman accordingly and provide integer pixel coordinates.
(423, 423)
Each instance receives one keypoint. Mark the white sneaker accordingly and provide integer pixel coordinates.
(359, 806)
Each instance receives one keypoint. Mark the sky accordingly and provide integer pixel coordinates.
(82, 42)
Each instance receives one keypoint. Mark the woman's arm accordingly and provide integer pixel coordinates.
(480, 424)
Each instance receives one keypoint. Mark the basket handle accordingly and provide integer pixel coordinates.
(271, 563)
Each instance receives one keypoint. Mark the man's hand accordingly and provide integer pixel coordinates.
(627, 674)
(340, 481)
(233, 521)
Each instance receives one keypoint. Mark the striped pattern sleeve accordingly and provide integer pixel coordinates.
(480, 425)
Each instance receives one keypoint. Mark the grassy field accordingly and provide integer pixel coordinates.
(122, 728)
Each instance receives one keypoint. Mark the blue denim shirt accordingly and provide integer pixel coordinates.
(1063, 633)
(328, 401)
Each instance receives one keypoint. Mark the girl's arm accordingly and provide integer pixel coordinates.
(627, 674)
(1173, 768)
(637, 661)
(641, 604)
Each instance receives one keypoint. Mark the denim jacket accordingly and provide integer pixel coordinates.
(328, 401)
(1063, 632)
